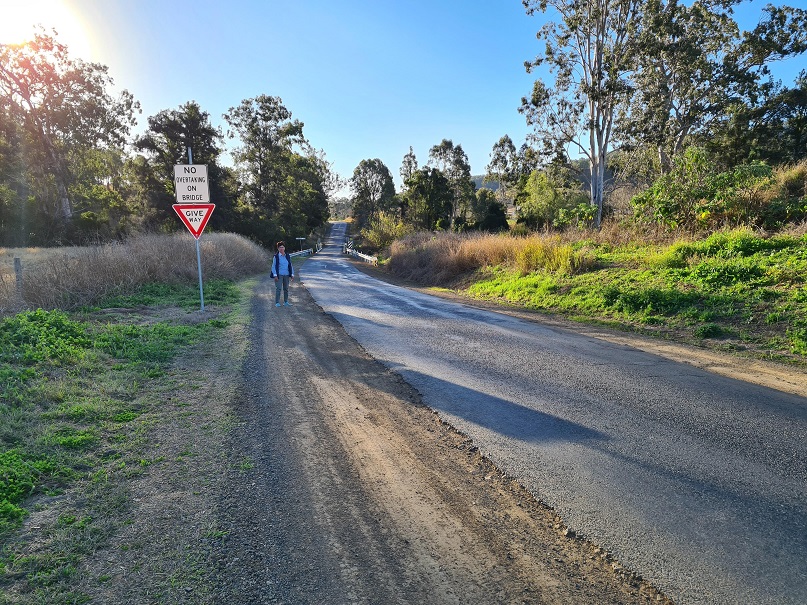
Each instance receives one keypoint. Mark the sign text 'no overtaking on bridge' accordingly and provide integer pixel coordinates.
(191, 184)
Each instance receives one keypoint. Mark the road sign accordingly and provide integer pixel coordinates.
(195, 216)
(191, 184)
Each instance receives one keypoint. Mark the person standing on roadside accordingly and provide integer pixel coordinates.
(282, 273)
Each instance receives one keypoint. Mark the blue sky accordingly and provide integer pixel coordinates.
(367, 78)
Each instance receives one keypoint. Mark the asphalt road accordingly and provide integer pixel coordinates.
(695, 481)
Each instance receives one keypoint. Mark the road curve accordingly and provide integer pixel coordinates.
(695, 481)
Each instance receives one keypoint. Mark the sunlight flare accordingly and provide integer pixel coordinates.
(21, 20)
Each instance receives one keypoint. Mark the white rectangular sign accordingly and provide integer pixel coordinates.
(190, 182)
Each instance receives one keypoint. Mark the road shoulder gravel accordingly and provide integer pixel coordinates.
(342, 487)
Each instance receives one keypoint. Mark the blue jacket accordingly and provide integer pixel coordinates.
(275, 267)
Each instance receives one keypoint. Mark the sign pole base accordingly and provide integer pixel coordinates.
(199, 264)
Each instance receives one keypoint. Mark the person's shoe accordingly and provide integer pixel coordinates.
(287, 303)
(277, 304)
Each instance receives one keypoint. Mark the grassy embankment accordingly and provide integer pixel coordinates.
(736, 290)
(81, 392)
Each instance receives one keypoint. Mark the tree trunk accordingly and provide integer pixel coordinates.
(664, 161)
(597, 166)
(64, 209)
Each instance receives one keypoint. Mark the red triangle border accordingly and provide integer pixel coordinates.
(195, 232)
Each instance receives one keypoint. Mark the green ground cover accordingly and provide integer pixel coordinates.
(78, 395)
(738, 288)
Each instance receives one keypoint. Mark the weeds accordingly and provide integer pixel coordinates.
(74, 414)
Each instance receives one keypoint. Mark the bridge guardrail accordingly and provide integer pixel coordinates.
(349, 249)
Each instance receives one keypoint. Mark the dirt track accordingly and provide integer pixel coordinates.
(299, 470)
(343, 488)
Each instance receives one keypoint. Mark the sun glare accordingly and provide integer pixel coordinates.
(20, 18)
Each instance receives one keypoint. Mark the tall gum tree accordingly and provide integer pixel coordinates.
(453, 162)
(502, 166)
(171, 132)
(409, 166)
(269, 137)
(63, 105)
(589, 51)
(373, 190)
(694, 65)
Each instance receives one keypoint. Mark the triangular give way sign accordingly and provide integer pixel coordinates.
(195, 216)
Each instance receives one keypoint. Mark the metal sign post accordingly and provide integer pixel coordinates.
(201, 287)
(193, 205)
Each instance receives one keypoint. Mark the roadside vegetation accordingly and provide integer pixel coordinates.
(85, 388)
(67, 278)
(736, 290)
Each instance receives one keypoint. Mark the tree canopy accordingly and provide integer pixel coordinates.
(651, 94)
(66, 175)
(56, 110)
(642, 75)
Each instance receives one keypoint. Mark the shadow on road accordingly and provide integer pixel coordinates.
(502, 416)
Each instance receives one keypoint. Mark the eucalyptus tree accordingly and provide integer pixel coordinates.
(590, 52)
(502, 167)
(331, 181)
(510, 168)
(268, 137)
(304, 202)
(696, 73)
(170, 133)
(408, 166)
(452, 161)
(488, 213)
(373, 191)
(13, 185)
(429, 199)
(64, 107)
(285, 183)
(783, 132)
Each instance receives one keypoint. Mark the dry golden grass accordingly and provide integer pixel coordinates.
(72, 277)
(438, 258)
(442, 258)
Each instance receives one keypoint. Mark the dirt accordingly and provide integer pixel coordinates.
(297, 469)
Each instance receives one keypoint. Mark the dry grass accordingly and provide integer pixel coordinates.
(439, 258)
(442, 259)
(66, 278)
(789, 181)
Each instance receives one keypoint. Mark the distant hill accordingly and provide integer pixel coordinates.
(493, 185)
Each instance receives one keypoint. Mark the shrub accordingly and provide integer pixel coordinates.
(382, 230)
(788, 197)
(548, 201)
(677, 199)
(693, 197)
(738, 196)
(552, 256)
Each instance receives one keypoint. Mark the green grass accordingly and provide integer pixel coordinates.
(733, 285)
(185, 296)
(78, 397)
